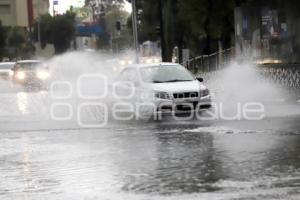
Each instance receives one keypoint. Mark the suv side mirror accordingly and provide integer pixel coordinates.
(200, 79)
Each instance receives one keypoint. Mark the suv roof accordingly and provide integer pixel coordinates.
(152, 64)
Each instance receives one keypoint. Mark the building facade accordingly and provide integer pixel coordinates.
(22, 13)
(268, 33)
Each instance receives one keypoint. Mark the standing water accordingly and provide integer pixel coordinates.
(44, 158)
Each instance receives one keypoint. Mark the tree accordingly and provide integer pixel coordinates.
(58, 30)
(207, 22)
(107, 4)
(195, 24)
(105, 14)
(15, 38)
(121, 38)
(44, 22)
(17, 45)
(148, 20)
(2, 41)
(148, 17)
(63, 31)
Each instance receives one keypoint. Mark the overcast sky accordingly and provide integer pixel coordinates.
(64, 5)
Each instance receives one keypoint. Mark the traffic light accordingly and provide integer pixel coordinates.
(118, 25)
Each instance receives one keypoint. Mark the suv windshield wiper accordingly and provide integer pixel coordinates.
(176, 80)
(169, 81)
(157, 81)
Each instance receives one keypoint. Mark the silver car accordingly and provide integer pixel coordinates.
(30, 73)
(6, 70)
(170, 87)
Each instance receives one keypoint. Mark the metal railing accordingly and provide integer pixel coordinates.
(285, 75)
(212, 66)
(212, 62)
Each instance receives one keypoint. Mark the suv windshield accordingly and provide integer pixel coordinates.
(28, 65)
(165, 73)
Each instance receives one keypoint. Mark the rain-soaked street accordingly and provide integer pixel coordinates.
(45, 159)
(149, 100)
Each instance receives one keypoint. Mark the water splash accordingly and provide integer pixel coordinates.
(243, 82)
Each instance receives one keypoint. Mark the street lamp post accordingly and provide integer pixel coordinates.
(135, 32)
(161, 31)
(39, 29)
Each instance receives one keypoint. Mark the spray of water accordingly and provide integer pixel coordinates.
(90, 76)
(236, 84)
(242, 82)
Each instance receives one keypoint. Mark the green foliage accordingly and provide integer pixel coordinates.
(17, 44)
(193, 14)
(2, 41)
(45, 23)
(113, 16)
(122, 40)
(113, 11)
(58, 30)
(148, 20)
(62, 31)
(16, 37)
(110, 4)
(194, 24)
(207, 22)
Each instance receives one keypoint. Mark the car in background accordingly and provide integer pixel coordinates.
(169, 86)
(6, 70)
(31, 73)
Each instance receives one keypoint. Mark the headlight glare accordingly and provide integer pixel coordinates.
(21, 75)
(122, 62)
(43, 75)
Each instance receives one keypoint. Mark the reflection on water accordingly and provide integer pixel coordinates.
(150, 162)
(22, 102)
(30, 105)
(185, 163)
(27, 171)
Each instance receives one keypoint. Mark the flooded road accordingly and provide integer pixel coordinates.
(45, 159)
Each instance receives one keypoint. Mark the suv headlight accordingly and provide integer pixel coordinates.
(21, 75)
(204, 93)
(162, 95)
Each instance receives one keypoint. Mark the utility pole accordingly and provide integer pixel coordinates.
(39, 24)
(135, 32)
(39, 29)
(162, 32)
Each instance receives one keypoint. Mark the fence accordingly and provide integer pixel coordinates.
(286, 75)
(212, 66)
(208, 63)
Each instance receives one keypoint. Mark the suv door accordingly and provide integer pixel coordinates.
(128, 84)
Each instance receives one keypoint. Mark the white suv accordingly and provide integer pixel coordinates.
(168, 87)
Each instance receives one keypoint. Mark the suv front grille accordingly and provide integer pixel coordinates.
(185, 95)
